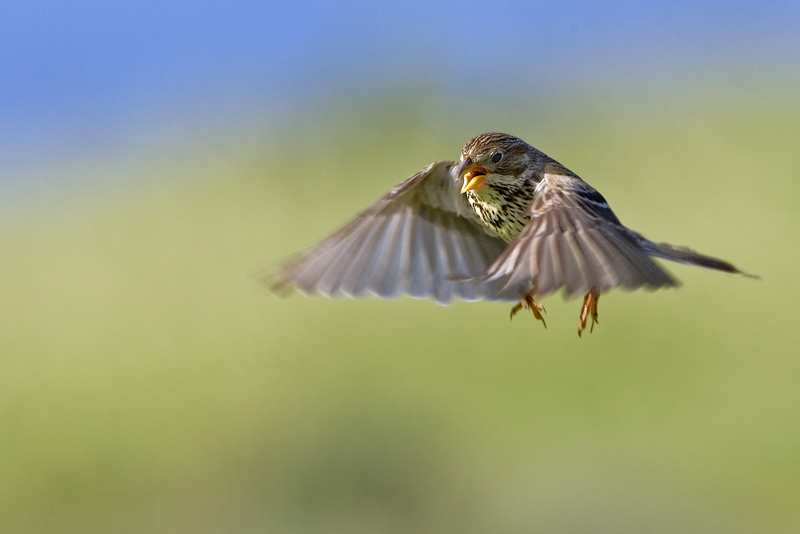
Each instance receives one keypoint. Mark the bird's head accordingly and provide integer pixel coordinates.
(495, 159)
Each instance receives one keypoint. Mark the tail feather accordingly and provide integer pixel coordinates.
(690, 257)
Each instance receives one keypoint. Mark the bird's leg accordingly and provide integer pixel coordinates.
(528, 303)
(589, 308)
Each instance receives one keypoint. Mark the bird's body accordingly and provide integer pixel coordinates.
(506, 222)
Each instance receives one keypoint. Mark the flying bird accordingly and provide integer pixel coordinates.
(504, 223)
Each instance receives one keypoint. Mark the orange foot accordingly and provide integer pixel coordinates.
(528, 303)
(589, 307)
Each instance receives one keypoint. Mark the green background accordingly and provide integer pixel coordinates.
(150, 383)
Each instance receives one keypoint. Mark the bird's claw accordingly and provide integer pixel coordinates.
(527, 302)
(589, 309)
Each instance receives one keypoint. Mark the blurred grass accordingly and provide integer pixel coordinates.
(148, 383)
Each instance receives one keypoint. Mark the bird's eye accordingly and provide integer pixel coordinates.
(496, 157)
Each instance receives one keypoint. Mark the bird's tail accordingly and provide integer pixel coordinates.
(690, 257)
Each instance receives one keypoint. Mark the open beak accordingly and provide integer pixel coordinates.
(474, 176)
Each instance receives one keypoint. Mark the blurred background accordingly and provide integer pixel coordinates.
(155, 157)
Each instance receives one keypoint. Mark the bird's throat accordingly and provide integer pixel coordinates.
(503, 210)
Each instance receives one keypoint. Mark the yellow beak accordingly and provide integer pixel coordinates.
(473, 178)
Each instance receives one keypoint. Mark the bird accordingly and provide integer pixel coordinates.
(504, 223)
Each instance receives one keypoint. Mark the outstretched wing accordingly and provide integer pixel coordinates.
(416, 240)
(575, 241)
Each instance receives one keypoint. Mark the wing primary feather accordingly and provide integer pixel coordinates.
(555, 264)
(439, 249)
(602, 270)
(363, 264)
(310, 275)
(476, 259)
(628, 270)
(646, 270)
(384, 282)
(575, 266)
(330, 279)
(376, 262)
(404, 254)
(551, 276)
(419, 271)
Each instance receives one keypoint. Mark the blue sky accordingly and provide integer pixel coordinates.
(77, 73)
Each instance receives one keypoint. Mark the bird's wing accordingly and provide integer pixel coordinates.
(575, 241)
(416, 240)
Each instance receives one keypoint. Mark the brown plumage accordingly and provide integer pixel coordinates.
(505, 223)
